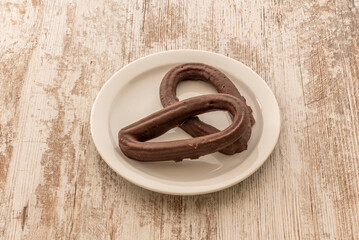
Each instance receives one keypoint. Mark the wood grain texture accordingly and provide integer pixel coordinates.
(56, 55)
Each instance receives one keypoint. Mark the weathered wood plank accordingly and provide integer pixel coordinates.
(56, 55)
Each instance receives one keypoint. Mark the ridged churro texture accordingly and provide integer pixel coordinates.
(132, 139)
(193, 125)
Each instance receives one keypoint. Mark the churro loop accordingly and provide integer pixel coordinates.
(132, 139)
(193, 125)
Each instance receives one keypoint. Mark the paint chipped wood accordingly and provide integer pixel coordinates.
(56, 55)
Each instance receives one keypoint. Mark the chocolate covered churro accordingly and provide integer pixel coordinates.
(206, 138)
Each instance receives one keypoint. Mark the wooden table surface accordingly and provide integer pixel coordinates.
(56, 55)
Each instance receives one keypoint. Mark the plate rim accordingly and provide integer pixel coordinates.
(194, 190)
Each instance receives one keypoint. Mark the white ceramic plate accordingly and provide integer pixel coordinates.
(133, 93)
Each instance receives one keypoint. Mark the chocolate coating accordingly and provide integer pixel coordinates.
(193, 125)
(132, 139)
